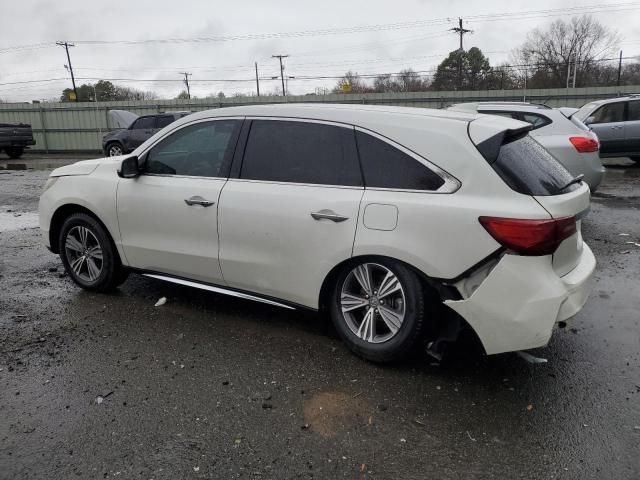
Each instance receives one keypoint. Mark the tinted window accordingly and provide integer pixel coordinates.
(144, 123)
(634, 111)
(301, 152)
(198, 150)
(528, 168)
(164, 120)
(384, 166)
(611, 112)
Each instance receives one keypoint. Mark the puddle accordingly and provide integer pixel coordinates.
(11, 221)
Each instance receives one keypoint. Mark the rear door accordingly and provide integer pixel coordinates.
(290, 214)
(632, 129)
(608, 123)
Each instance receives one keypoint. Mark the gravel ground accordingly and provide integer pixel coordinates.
(206, 386)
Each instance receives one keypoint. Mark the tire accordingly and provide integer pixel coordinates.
(81, 243)
(380, 343)
(14, 152)
(114, 149)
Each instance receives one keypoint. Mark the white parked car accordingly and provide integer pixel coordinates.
(569, 140)
(400, 222)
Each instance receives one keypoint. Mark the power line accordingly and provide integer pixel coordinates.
(376, 27)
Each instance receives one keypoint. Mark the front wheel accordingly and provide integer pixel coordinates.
(88, 254)
(115, 150)
(14, 152)
(378, 309)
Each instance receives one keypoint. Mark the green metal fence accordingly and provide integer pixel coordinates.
(68, 127)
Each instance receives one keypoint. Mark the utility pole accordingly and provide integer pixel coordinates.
(280, 57)
(66, 46)
(257, 81)
(460, 30)
(186, 82)
(619, 69)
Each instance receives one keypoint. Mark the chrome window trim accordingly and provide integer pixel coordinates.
(451, 184)
(275, 182)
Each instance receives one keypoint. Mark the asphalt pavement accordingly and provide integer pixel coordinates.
(208, 386)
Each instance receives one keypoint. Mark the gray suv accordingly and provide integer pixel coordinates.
(616, 121)
(120, 142)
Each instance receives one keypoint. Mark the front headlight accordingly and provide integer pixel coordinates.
(50, 182)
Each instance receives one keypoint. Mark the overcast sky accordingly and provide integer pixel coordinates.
(419, 39)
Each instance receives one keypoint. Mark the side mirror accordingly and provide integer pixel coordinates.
(589, 120)
(129, 168)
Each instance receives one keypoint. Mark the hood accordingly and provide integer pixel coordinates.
(122, 118)
(84, 167)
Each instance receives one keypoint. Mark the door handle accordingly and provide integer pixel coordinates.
(198, 200)
(328, 215)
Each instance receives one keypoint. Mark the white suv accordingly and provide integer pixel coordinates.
(402, 223)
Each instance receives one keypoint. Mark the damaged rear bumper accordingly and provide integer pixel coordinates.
(518, 304)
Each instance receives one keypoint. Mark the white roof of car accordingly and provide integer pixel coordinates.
(330, 112)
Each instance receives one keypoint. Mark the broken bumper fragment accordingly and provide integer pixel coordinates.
(518, 304)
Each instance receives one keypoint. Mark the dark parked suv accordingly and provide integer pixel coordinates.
(123, 141)
(616, 121)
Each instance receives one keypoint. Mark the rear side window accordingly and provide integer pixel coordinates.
(536, 120)
(301, 152)
(528, 168)
(634, 111)
(384, 166)
(164, 120)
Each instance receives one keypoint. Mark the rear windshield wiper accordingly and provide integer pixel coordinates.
(577, 179)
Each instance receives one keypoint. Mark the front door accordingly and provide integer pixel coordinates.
(141, 131)
(291, 215)
(608, 123)
(168, 215)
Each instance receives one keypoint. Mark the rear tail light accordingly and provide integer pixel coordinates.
(585, 144)
(530, 237)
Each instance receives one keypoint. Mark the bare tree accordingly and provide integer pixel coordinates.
(547, 55)
(352, 83)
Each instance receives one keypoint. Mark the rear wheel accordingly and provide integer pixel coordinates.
(88, 254)
(14, 152)
(378, 309)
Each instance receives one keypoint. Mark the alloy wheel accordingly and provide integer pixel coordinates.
(115, 150)
(373, 303)
(84, 253)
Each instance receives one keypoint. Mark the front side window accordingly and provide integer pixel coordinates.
(300, 152)
(200, 150)
(384, 166)
(609, 113)
(144, 123)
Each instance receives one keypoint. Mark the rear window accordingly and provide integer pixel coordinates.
(529, 169)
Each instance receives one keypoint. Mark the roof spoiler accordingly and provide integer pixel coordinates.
(490, 148)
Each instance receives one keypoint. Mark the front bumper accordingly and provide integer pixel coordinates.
(520, 301)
